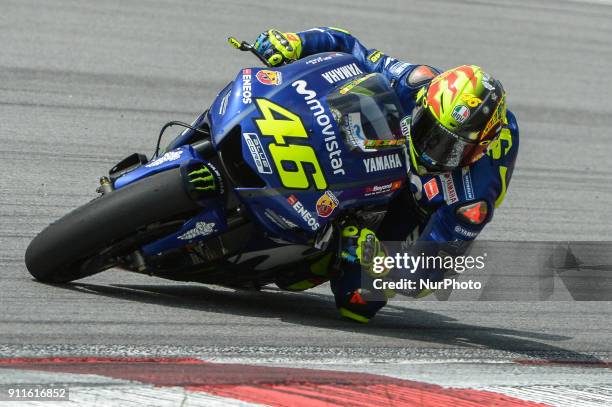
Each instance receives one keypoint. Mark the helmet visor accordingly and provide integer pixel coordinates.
(438, 148)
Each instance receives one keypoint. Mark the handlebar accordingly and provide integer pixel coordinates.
(245, 46)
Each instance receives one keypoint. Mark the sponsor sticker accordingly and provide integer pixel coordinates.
(431, 189)
(279, 220)
(292, 37)
(448, 188)
(257, 152)
(460, 113)
(268, 77)
(169, 156)
(246, 86)
(223, 105)
(342, 73)
(220, 183)
(326, 204)
(405, 124)
(200, 229)
(389, 60)
(374, 57)
(468, 188)
(463, 231)
(382, 163)
(383, 189)
(398, 68)
(303, 212)
(332, 144)
(382, 143)
(317, 60)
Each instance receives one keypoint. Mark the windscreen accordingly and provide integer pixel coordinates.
(367, 112)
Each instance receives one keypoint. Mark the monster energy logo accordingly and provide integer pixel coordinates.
(202, 180)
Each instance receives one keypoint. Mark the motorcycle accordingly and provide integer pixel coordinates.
(260, 181)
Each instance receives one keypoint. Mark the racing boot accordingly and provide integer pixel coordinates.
(306, 275)
(354, 302)
(359, 247)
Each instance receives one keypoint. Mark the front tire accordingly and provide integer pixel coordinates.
(59, 253)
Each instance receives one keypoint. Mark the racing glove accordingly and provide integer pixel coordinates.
(362, 246)
(279, 47)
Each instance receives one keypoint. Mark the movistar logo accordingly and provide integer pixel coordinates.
(332, 145)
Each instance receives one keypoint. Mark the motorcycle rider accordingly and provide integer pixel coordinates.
(463, 144)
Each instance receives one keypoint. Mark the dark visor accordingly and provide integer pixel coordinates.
(437, 147)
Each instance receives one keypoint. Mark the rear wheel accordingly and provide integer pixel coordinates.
(72, 247)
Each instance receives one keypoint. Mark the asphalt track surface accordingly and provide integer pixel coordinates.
(83, 84)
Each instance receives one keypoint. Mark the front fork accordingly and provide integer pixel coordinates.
(135, 259)
(211, 221)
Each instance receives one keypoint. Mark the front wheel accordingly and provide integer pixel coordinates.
(67, 249)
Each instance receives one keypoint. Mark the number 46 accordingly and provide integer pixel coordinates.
(289, 125)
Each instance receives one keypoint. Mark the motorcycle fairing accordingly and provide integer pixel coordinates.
(207, 224)
(300, 90)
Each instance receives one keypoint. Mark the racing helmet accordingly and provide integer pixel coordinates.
(455, 119)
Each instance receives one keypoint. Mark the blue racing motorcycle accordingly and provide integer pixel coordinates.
(261, 180)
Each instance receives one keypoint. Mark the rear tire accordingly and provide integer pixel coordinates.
(58, 253)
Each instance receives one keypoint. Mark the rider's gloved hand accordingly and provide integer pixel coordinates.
(362, 246)
(278, 47)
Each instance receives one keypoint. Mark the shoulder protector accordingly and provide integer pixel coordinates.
(420, 75)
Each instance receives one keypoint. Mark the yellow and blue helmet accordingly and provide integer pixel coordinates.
(456, 117)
